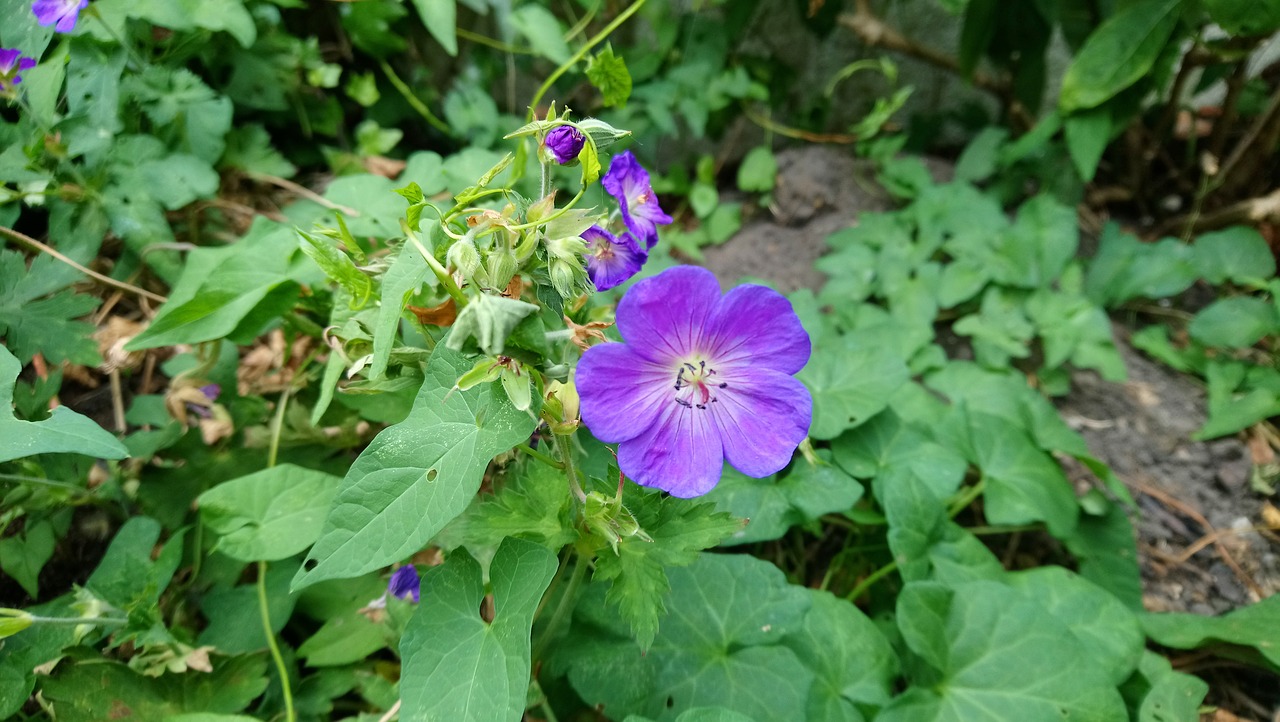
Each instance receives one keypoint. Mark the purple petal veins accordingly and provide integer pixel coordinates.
(699, 380)
(62, 12)
(628, 182)
(565, 143)
(611, 261)
(404, 583)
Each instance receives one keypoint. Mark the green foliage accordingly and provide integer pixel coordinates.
(448, 647)
(1121, 51)
(32, 323)
(1253, 627)
(269, 515)
(776, 503)
(608, 72)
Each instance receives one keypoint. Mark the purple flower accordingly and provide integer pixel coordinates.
(565, 143)
(629, 183)
(611, 261)
(62, 12)
(12, 63)
(404, 583)
(701, 379)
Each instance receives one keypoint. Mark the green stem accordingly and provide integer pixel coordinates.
(594, 41)
(988, 530)
(560, 212)
(540, 456)
(565, 605)
(442, 274)
(101, 621)
(277, 425)
(565, 446)
(413, 100)
(46, 482)
(871, 579)
(966, 498)
(495, 44)
(290, 715)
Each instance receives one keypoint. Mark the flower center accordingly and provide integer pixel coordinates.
(696, 384)
(603, 250)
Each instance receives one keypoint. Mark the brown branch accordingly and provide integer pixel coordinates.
(37, 245)
(1264, 125)
(1254, 210)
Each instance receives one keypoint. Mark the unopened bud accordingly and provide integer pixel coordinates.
(502, 266)
(463, 256)
(566, 276)
(602, 133)
(13, 621)
(560, 406)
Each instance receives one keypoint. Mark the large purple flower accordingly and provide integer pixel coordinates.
(12, 63)
(612, 260)
(63, 12)
(701, 379)
(564, 142)
(629, 183)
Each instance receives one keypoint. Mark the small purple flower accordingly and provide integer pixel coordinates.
(700, 379)
(611, 261)
(12, 63)
(629, 183)
(63, 12)
(404, 583)
(565, 143)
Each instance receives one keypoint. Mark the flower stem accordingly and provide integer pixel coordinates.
(413, 100)
(290, 715)
(442, 274)
(591, 43)
(100, 621)
(565, 446)
(560, 212)
(540, 456)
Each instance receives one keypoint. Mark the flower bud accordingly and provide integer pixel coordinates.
(501, 266)
(463, 256)
(13, 621)
(602, 133)
(560, 405)
(567, 276)
(563, 144)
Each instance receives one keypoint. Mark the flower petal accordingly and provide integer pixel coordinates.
(680, 453)
(612, 261)
(761, 417)
(757, 325)
(662, 318)
(621, 393)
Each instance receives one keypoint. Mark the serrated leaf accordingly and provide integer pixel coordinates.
(64, 431)
(268, 515)
(533, 504)
(608, 72)
(997, 657)
(850, 382)
(459, 667)
(417, 475)
(1119, 53)
(216, 15)
(739, 609)
(32, 322)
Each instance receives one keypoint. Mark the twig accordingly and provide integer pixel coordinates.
(1253, 210)
(1218, 546)
(391, 713)
(303, 191)
(797, 133)
(1270, 116)
(37, 245)
(1213, 537)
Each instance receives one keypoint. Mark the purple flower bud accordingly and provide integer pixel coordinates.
(404, 583)
(564, 143)
(63, 12)
(12, 63)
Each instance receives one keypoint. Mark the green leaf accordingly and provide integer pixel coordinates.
(1119, 53)
(720, 645)
(128, 578)
(457, 666)
(99, 689)
(854, 665)
(1237, 254)
(228, 292)
(541, 28)
(1087, 136)
(1245, 17)
(407, 272)
(850, 382)
(249, 149)
(235, 619)
(64, 431)
(268, 515)
(1237, 322)
(700, 714)
(32, 323)
(416, 475)
(343, 640)
(22, 556)
(1107, 553)
(678, 530)
(533, 504)
(1037, 246)
(1256, 626)
(776, 503)
(759, 170)
(979, 159)
(489, 319)
(888, 445)
(998, 657)
(1023, 483)
(608, 72)
(338, 266)
(1126, 268)
(1165, 695)
(216, 15)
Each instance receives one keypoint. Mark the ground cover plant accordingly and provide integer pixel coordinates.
(357, 365)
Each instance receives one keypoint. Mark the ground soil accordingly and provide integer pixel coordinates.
(1188, 492)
